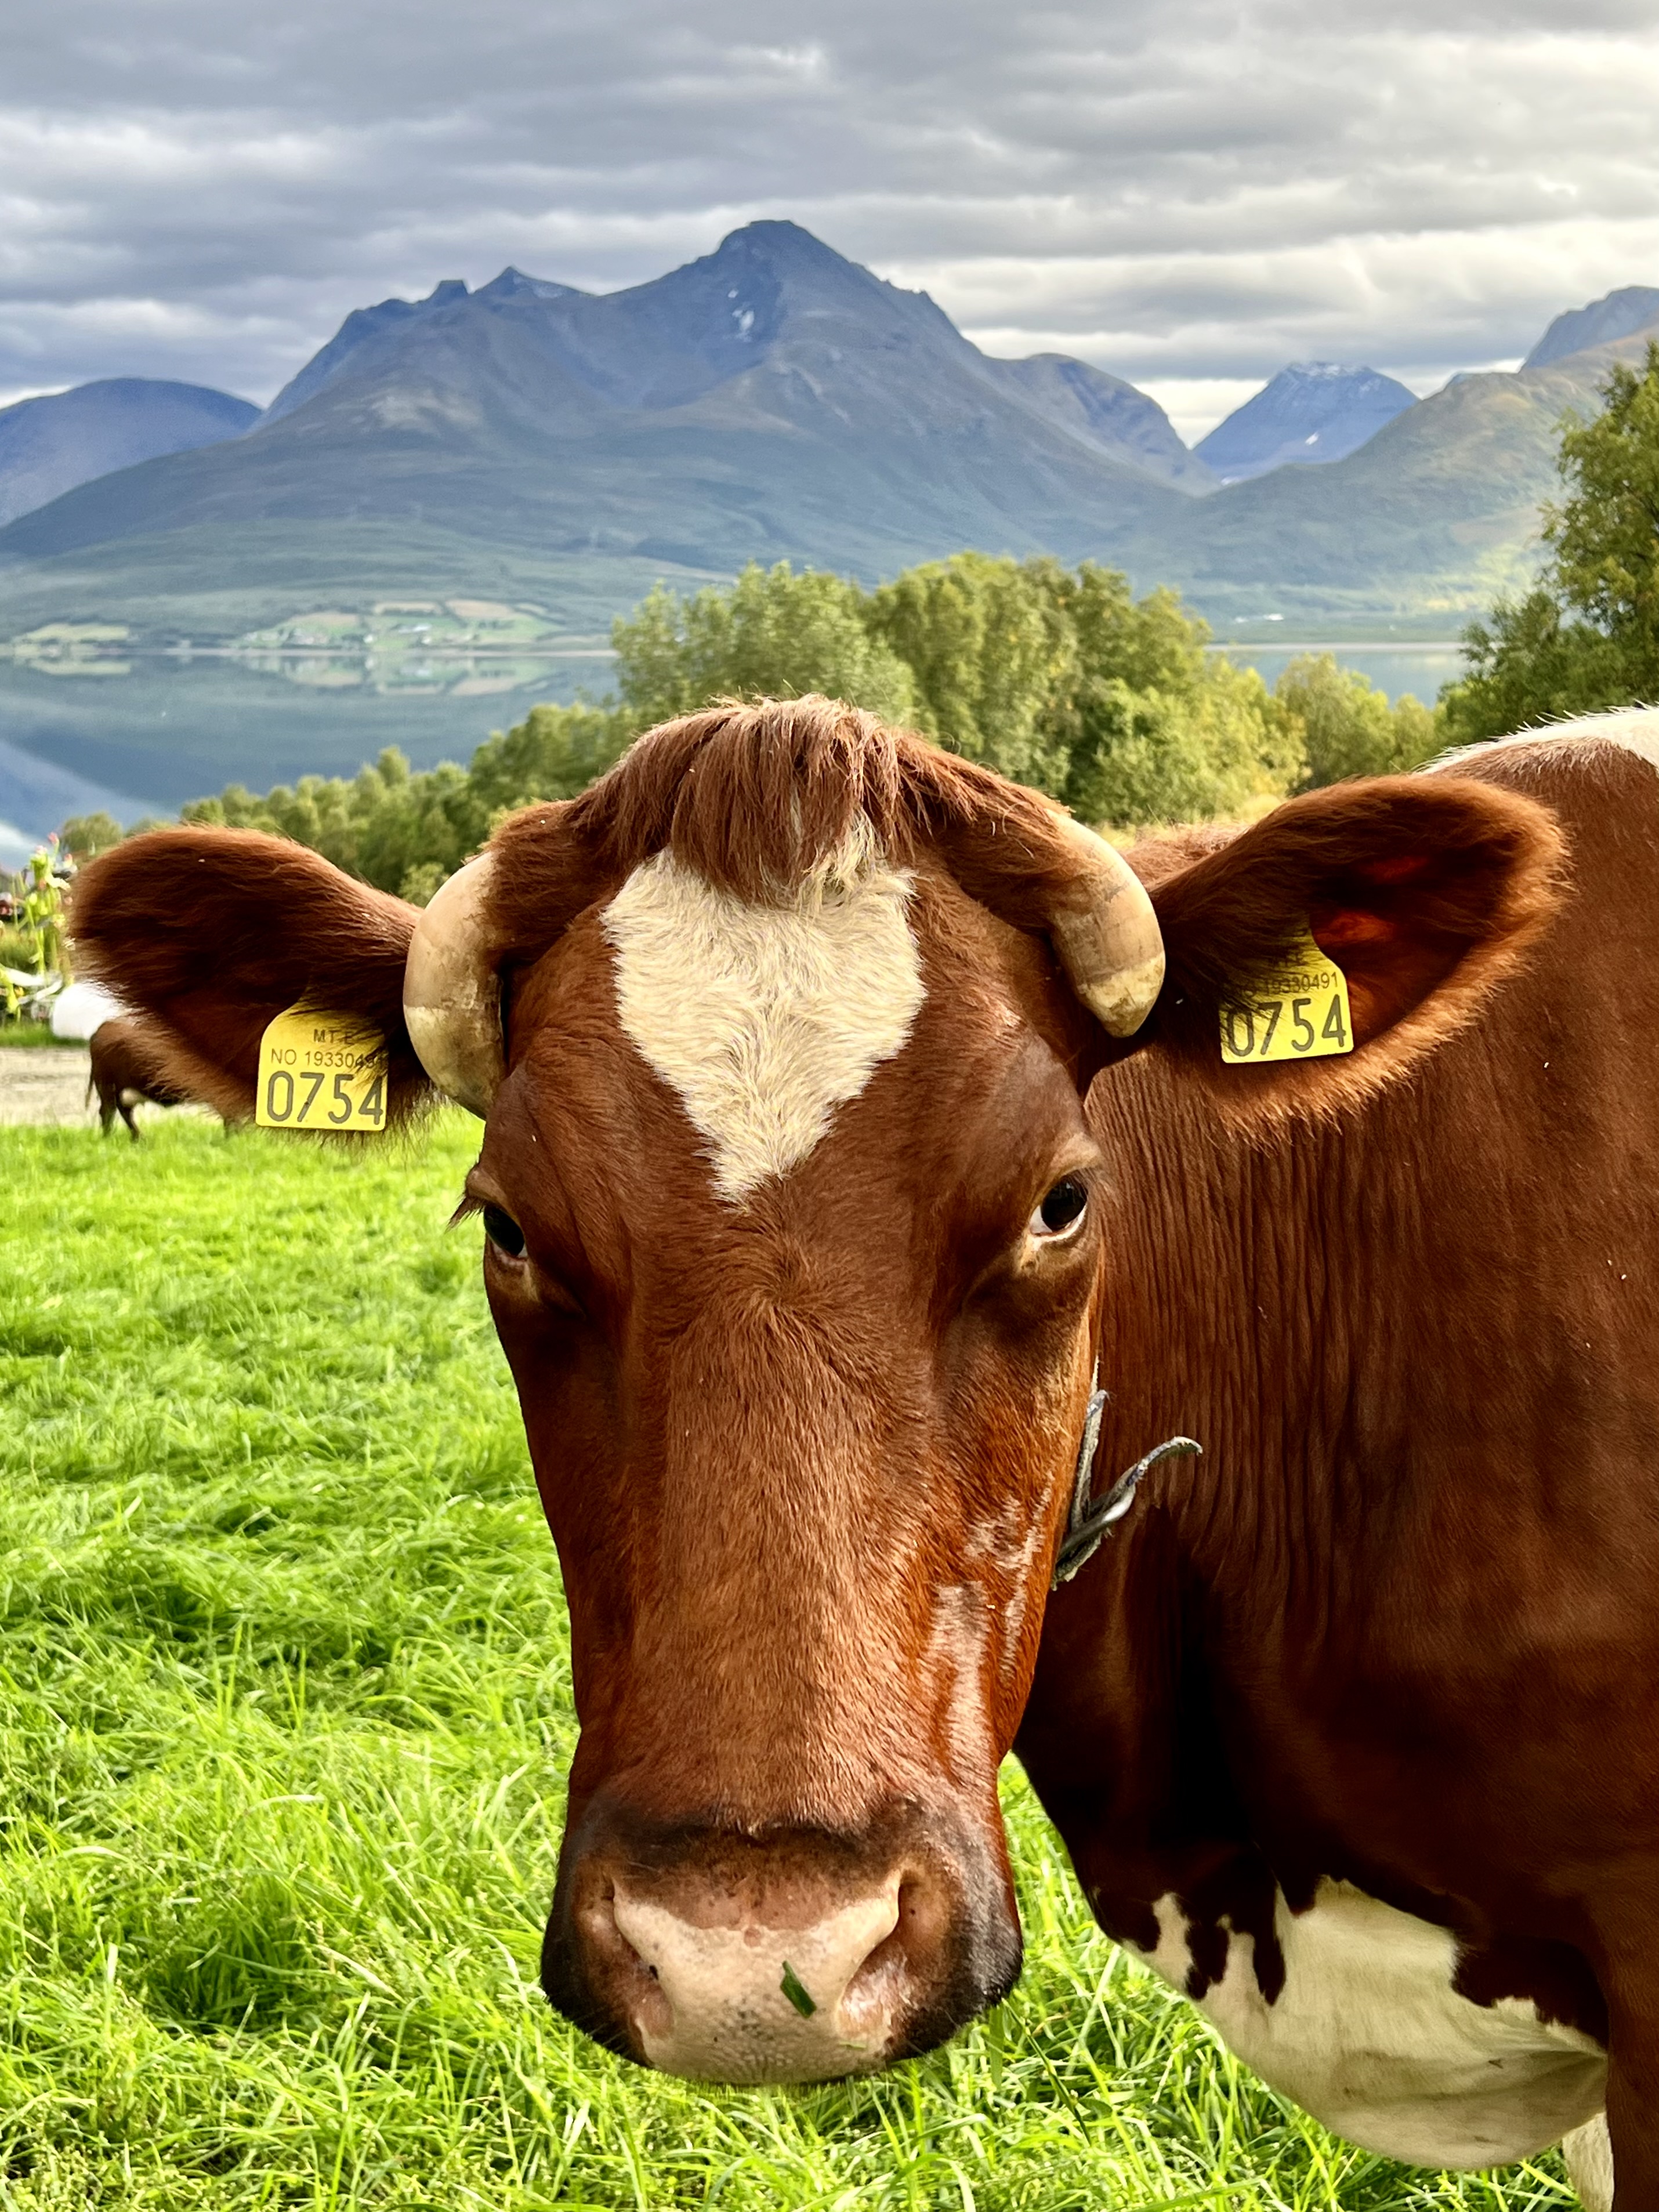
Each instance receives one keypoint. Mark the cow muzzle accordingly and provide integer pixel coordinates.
(792, 1958)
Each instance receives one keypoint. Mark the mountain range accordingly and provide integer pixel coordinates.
(534, 442)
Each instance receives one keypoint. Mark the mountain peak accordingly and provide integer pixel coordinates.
(1310, 411)
(784, 253)
(776, 236)
(514, 284)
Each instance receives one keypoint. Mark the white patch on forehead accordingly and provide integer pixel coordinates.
(764, 1019)
(1370, 2035)
(1634, 729)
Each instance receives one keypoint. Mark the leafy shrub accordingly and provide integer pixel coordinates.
(773, 634)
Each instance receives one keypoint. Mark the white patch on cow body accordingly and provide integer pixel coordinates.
(1370, 2036)
(1634, 729)
(1589, 2153)
(764, 1019)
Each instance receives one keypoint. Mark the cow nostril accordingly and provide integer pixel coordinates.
(634, 1978)
(889, 1975)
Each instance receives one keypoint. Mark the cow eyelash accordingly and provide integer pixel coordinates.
(503, 1230)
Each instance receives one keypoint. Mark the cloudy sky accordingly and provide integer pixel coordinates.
(1188, 194)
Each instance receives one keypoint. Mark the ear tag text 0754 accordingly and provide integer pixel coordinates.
(1298, 1011)
(321, 1070)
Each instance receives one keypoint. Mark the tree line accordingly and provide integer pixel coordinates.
(1056, 677)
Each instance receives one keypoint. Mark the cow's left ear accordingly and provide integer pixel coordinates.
(1423, 889)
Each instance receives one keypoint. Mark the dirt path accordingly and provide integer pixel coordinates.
(45, 1086)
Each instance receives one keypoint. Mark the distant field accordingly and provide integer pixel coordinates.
(284, 1714)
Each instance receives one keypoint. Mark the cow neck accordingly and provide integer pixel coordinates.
(1222, 1315)
(1243, 1303)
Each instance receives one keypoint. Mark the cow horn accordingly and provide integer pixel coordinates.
(452, 993)
(1107, 934)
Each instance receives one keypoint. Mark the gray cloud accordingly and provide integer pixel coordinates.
(1188, 193)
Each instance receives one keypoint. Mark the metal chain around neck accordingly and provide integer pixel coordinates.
(1088, 1525)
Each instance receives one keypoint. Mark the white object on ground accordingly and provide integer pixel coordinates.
(81, 1008)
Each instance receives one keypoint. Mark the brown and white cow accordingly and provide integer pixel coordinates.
(839, 1128)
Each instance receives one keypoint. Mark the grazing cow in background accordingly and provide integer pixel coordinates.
(849, 1112)
(126, 1070)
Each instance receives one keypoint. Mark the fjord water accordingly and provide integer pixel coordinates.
(1421, 667)
(142, 734)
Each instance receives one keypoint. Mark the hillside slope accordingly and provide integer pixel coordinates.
(1436, 514)
(49, 445)
(1619, 315)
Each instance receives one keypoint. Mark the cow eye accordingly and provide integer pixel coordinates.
(503, 1232)
(1061, 1212)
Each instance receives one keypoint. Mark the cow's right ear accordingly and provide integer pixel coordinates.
(211, 933)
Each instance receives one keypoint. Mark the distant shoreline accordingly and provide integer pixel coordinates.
(1365, 645)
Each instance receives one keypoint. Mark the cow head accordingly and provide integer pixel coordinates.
(782, 1036)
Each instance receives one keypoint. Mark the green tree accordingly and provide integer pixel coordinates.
(1145, 758)
(1606, 534)
(555, 752)
(1346, 727)
(85, 836)
(989, 649)
(773, 634)
(1531, 663)
(405, 830)
(1156, 726)
(1587, 637)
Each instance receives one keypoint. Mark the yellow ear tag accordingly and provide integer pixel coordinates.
(1300, 1012)
(321, 1070)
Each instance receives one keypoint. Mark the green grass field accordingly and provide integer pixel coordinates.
(284, 1714)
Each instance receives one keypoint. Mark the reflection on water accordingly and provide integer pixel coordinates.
(469, 649)
(462, 675)
(159, 728)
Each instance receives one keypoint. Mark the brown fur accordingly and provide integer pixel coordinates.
(1397, 1626)
(807, 1460)
(211, 933)
(127, 1068)
(755, 797)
